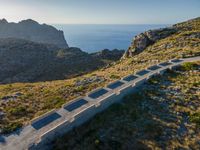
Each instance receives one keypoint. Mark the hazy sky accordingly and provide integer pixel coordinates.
(100, 11)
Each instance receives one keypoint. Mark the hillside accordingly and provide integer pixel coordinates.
(34, 99)
(26, 61)
(164, 114)
(33, 31)
(181, 39)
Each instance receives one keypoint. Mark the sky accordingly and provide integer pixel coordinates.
(100, 11)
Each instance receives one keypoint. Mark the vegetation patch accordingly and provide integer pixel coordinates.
(10, 127)
(195, 118)
(113, 76)
(18, 111)
(189, 66)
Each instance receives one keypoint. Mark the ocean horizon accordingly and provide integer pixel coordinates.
(95, 37)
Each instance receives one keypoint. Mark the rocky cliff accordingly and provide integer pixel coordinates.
(185, 34)
(143, 40)
(33, 31)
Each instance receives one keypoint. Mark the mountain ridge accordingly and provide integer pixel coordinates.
(27, 61)
(33, 31)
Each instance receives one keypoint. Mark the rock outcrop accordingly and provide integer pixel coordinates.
(143, 40)
(184, 34)
(107, 54)
(33, 31)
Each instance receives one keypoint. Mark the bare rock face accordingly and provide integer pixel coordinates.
(33, 31)
(143, 40)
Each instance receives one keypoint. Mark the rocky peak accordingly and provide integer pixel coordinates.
(33, 31)
(3, 21)
(143, 40)
(29, 22)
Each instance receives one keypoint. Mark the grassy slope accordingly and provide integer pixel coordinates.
(41, 97)
(165, 114)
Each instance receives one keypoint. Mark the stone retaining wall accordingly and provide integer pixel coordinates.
(99, 104)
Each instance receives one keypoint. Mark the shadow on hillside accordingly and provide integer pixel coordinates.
(2, 139)
(3, 136)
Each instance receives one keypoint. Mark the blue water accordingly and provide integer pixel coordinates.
(92, 38)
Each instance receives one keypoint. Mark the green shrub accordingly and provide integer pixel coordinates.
(189, 66)
(13, 126)
(195, 118)
(113, 76)
(54, 102)
(18, 111)
(196, 84)
(79, 89)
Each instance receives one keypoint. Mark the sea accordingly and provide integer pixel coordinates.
(93, 38)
